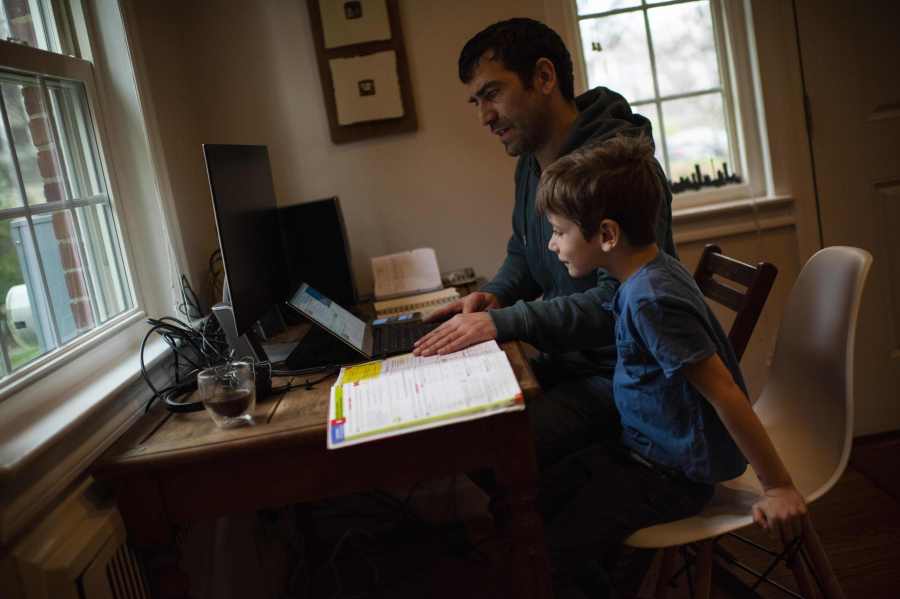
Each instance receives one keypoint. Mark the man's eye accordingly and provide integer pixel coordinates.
(490, 95)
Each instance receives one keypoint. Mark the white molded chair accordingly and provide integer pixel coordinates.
(807, 409)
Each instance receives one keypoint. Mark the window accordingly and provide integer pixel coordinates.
(670, 59)
(62, 265)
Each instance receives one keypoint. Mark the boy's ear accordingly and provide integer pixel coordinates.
(609, 235)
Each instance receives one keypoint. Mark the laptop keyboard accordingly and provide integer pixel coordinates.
(399, 338)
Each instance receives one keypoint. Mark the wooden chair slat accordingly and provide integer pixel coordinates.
(746, 304)
(723, 294)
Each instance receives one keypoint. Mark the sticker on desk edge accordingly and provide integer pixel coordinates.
(337, 431)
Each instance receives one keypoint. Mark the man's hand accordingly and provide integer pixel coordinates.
(781, 512)
(457, 333)
(478, 301)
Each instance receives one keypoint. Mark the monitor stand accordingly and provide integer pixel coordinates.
(320, 348)
(316, 349)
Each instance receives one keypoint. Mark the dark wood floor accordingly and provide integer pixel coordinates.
(858, 522)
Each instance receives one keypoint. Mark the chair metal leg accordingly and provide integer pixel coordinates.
(704, 568)
(804, 583)
(666, 569)
(819, 562)
(647, 589)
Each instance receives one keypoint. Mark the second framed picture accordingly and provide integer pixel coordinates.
(363, 67)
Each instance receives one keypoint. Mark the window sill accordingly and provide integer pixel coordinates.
(45, 444)
(711, 220)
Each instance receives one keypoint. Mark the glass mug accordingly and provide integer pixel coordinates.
(228, 392)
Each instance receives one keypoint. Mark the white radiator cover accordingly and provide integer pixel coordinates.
(78, 552)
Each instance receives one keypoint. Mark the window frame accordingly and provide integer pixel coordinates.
(61, 416)
(33, 61)
(740, 92)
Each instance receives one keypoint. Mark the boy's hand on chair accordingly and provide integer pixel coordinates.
(781, 511)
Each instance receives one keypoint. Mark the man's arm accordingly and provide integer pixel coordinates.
(512, 281)
(782, 509)
(572, 322)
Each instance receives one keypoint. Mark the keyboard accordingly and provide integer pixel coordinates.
(398, 338)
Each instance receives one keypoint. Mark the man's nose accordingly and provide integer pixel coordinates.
(487, 114)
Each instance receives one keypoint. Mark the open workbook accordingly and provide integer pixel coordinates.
(406, 393)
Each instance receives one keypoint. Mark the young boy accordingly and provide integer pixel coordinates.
(687, 423)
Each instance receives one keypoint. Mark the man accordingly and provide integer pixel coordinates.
(518, 74)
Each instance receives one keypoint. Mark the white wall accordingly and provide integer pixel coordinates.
(230, 71)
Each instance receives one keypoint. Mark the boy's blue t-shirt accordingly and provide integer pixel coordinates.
(662, 325)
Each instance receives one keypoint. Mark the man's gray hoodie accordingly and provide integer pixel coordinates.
(570, 314)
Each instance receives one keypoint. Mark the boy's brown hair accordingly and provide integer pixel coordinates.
(616, 179)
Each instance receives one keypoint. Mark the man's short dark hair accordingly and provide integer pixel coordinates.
(616, 179)
(518, 44)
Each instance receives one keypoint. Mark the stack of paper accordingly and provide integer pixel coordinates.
(407, 393)
(423, 303)
(406, 273)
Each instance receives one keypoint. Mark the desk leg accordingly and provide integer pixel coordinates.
(152, 535)
(518, 521)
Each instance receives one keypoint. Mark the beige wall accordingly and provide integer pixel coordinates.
(230, 71)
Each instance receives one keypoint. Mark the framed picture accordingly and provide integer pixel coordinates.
(348, 22)
(363, 67)
(366, 88)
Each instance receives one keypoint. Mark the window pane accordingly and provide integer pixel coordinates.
(10, 194)
(33, 23)
(109, 285)
(79, 153)
(590, 7)
(696, 136)
(649, 111)
(617, 55)
(33, 142)
(66, 271)
(684, 48)
(26, 329)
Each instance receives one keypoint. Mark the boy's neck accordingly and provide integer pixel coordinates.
(631, 259)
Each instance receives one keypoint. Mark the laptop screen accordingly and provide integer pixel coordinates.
(329, 315)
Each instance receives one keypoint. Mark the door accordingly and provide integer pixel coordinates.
(850, 55)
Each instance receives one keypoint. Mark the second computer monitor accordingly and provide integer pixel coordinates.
(316, 249)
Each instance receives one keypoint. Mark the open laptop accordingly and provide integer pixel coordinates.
(378, 339)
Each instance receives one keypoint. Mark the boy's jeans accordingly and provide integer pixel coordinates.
(592, 500)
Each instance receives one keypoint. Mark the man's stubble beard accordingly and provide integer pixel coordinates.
(532, 136)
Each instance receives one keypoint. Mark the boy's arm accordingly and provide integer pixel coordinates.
(783, 507)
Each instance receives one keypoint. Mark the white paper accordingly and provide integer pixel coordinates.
(414, 393)
(338, 30)
(376, 73)
(406, 273)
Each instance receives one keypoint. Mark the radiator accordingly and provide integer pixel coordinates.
(79, 552)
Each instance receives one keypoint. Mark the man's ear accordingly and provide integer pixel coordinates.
(609, 235)
(544, 79)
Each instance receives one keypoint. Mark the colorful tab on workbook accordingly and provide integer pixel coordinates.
(360, 372)
(337, 431)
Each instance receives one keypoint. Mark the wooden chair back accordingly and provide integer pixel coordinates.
(716, 274)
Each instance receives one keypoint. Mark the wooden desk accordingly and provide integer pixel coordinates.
(172, 469)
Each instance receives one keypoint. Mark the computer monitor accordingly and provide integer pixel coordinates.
(316, 249)
(246, 213)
